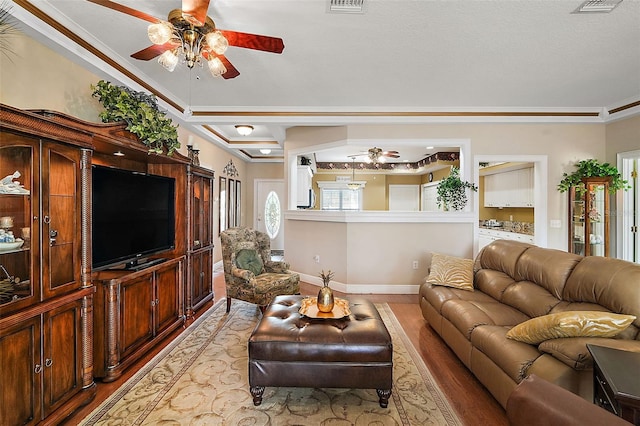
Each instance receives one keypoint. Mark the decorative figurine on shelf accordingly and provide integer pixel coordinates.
(325, 295)
(190, 153)
(196, 160)
(9, 186)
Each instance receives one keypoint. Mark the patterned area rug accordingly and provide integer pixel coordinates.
(201, 378)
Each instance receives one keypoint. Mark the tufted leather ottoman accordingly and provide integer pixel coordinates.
(290, 350)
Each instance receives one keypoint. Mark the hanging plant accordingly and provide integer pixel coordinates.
(452, 191)
(141, 113)
(592, 168)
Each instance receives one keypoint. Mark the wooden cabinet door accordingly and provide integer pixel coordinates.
(136, 313)
(61, 224)
(21, 388)
(62, 355)
(201, 276)
(167, 298)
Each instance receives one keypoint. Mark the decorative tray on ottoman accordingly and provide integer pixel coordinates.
(309, 308)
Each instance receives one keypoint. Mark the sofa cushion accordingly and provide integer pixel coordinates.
(466, 315)
(513, 357)
(612, 283)
(502, 255)
(573, 350)
(250, 260)
(450, 271)
(570, 324)
(438, 295)
(492, 282)
(547, 268)
(529, 298)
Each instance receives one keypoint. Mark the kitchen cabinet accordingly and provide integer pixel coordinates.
(45, 302)
(487, 236)
(589, 218)
(132, 312)
(509, 189)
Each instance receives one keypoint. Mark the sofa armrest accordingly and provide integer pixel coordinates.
(537, 402)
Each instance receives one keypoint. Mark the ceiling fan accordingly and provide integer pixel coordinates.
(188, 34)
(377, 155)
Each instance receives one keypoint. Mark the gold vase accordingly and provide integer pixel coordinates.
(325, 299)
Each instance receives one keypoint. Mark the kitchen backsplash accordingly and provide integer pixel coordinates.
(509, 226)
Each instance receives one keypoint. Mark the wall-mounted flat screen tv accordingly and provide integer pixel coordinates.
(133, 215)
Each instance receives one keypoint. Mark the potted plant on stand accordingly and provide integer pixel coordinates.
(452, 191)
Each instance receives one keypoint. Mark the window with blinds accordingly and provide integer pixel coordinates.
(340, 199)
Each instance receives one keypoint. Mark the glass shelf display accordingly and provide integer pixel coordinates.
(15, 223)
(589, 218)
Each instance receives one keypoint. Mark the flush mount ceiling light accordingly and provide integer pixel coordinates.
(265, 151)
(119, 154)
(244, 129)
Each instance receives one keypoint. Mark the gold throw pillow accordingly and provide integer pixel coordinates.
(451, 271)
(570, 324)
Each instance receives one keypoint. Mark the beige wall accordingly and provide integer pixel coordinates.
(622, 136)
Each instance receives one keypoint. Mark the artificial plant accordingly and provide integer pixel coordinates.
(141, 113)
(452, 191)
(592, 168)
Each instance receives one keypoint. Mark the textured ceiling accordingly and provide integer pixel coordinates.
(398, 62)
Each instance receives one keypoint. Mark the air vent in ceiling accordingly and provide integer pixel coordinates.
(599, 6)
(346, 6)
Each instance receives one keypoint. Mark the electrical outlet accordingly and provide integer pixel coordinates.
(415, 264)
(555, 223)
(317, 258)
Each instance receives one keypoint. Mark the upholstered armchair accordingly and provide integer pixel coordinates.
(249, 272)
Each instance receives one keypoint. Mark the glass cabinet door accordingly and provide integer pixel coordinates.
(18, 207)
(589, 218)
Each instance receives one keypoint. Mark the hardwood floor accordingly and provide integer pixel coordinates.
(470, 399)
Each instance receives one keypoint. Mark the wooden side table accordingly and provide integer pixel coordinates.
(616, 381)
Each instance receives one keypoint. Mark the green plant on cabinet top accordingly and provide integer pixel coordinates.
(592, 168)
(141, 113)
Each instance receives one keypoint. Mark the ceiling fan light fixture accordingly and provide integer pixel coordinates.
(216, 67)
(244, 130)
(160, 33)
(354, 186)
(265, 151)
(217, 42)
(168, 60)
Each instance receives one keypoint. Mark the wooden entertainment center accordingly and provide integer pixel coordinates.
(63, 324)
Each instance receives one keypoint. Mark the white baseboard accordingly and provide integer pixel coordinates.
(363, 288)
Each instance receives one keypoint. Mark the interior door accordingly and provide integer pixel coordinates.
(268, 209)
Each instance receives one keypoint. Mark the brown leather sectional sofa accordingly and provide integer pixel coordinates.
(514, 282)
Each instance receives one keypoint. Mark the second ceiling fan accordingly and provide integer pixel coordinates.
(189, 35)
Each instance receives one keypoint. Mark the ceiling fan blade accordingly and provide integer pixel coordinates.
(232, 72)
(391, 154)
(254, 41)
(152, 51)
(127, 10)
(195, 11)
